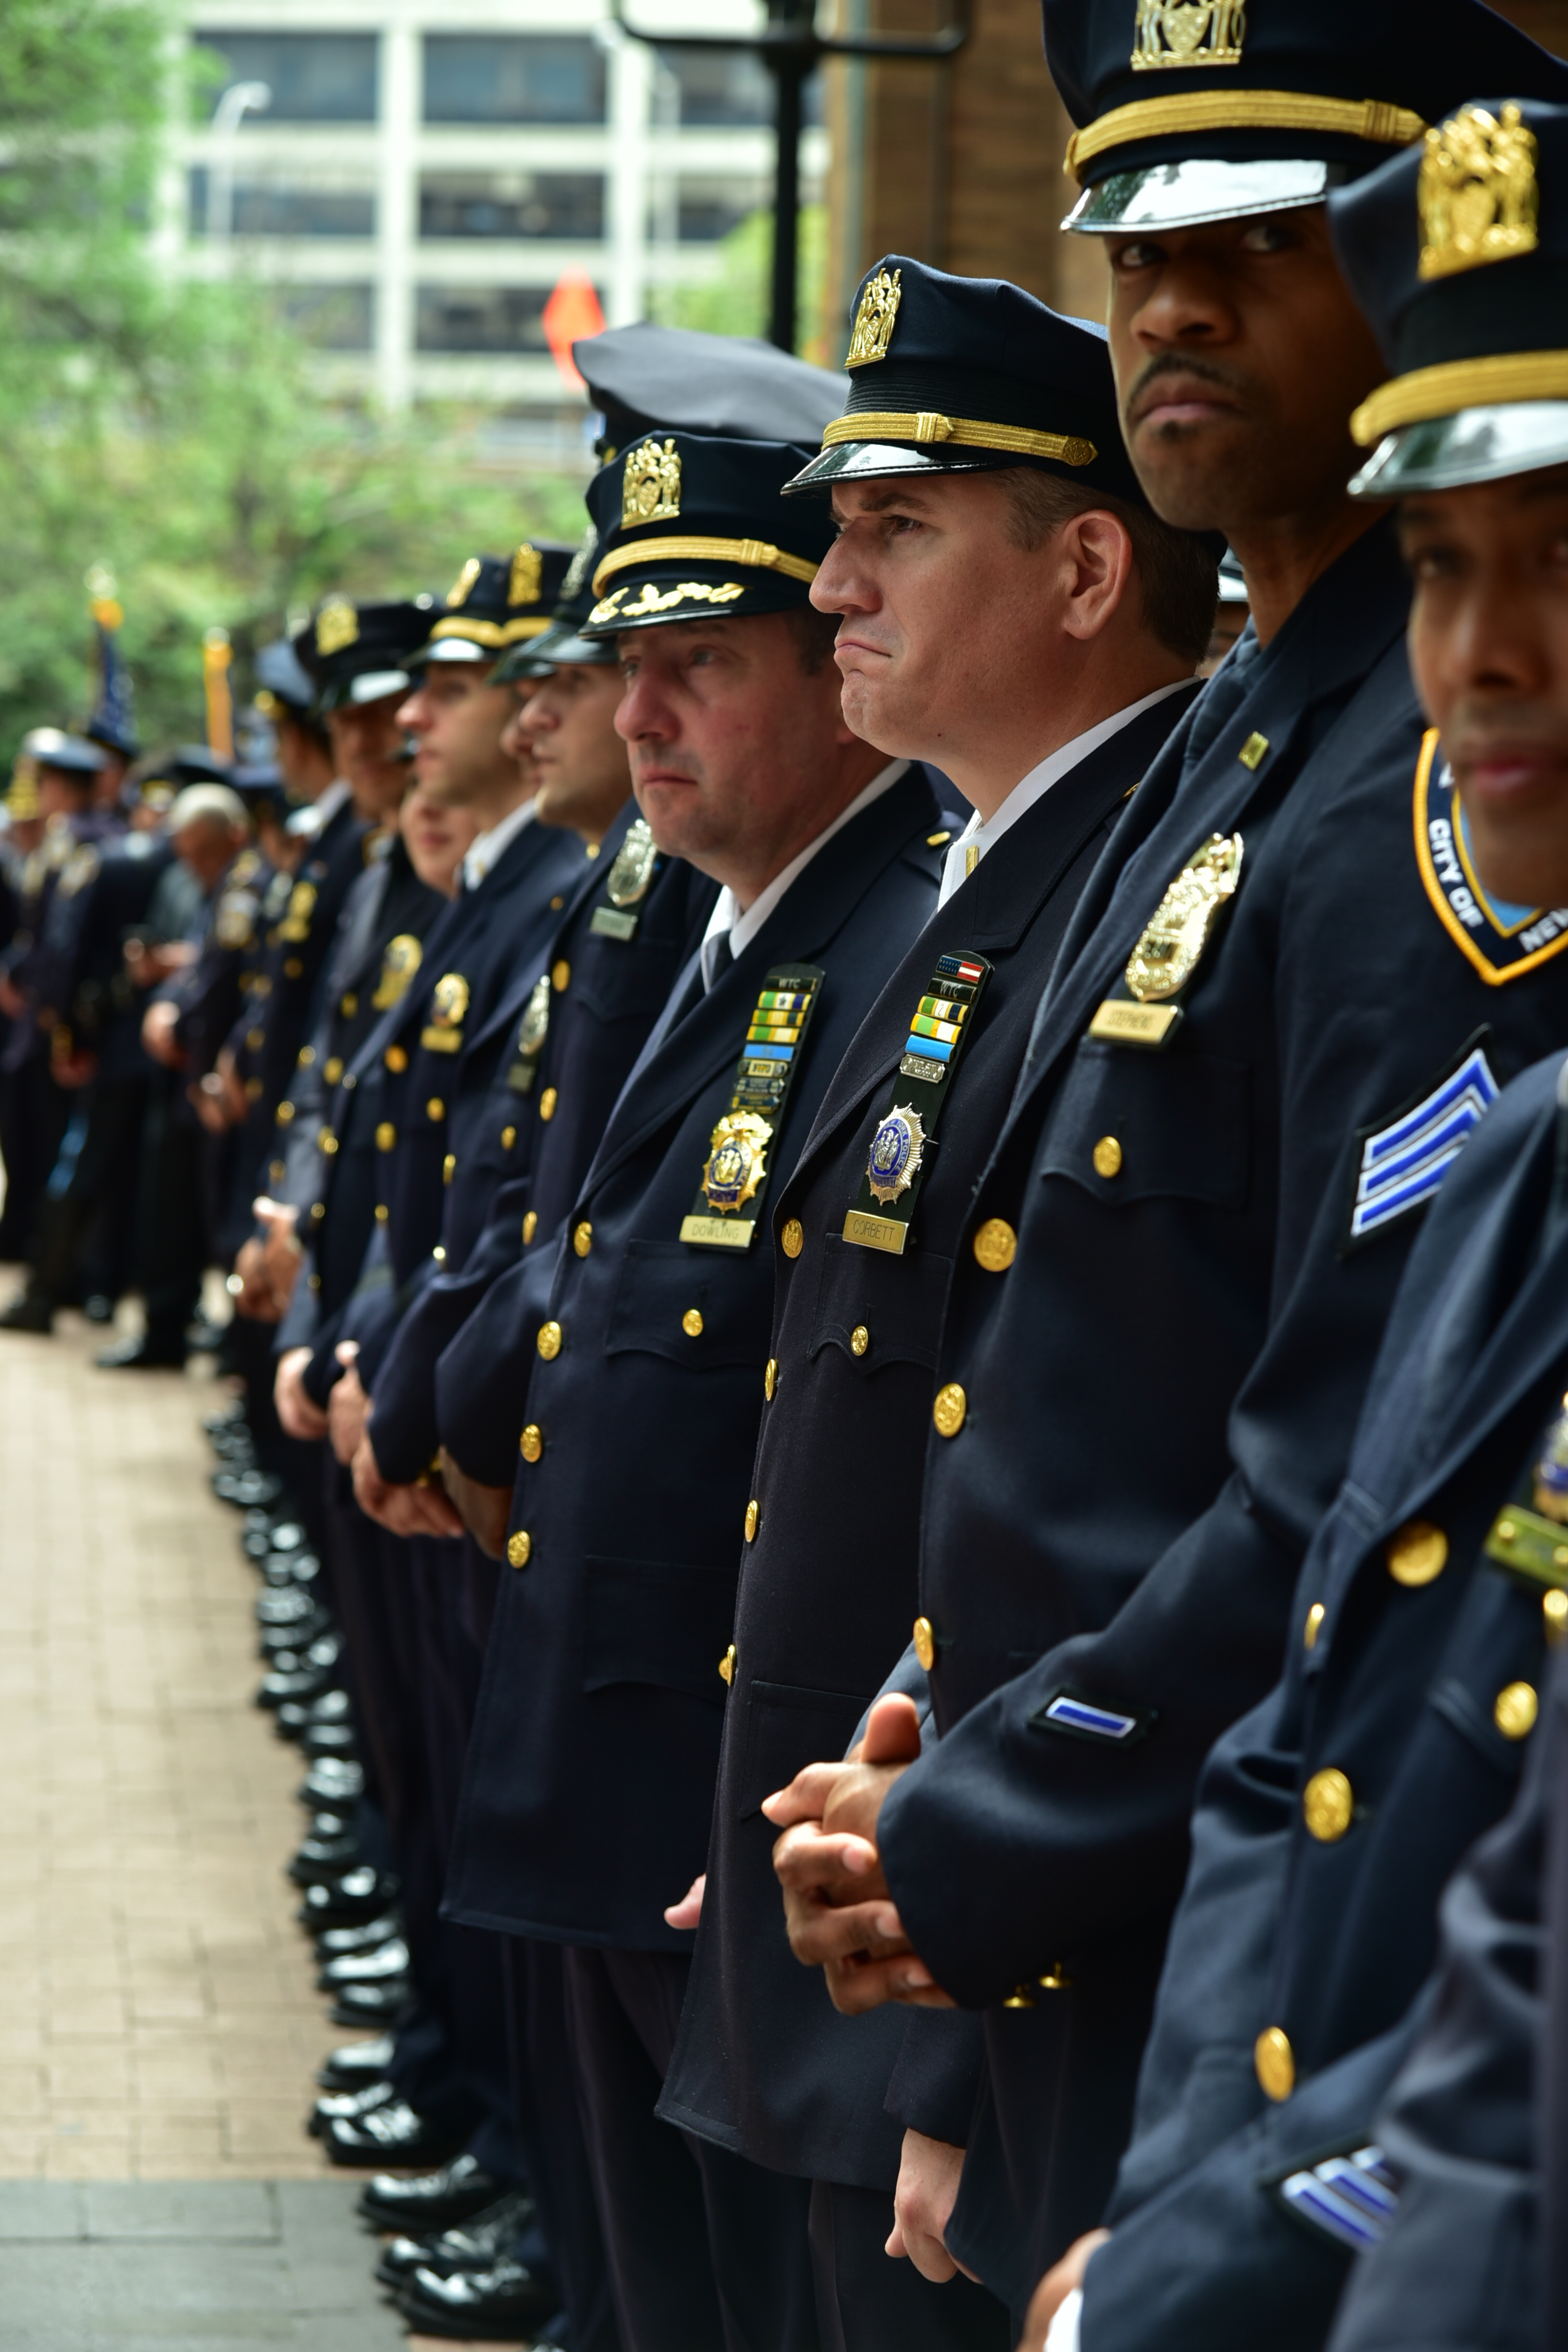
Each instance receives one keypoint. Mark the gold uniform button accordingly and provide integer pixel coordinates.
(1328, 1800)
(436, 1108)
(327, 1141)
(253, 1089)
(293, 968)
(530, 1226)
(560, 976)
(549, 1341)
(727, 1665)
(254, 1039)
(583, 1238)
(1274, 2062)
(859, 1340)
(348, 1005)
(1515, 1710)
(1554, 1616)
(530, 1444)
(995, 1244)
(557, 903)
(333, 1070)
(792, 1238)
(507, 1138)
(771, 1381)
(925, 1642)
(1107, 1157)
(517, 1548)
(547, 1102)
(381, 1212)
(1314, 1626)
(285, 1113)
(1417, 1554)
(396, 1059)
(439, 1255)
(949, 1409)
(935, 840)
(691, 1324)
(448, 1167)
(385, 1136)
(753, 1519)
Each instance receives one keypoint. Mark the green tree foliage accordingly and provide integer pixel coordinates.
(735, 301)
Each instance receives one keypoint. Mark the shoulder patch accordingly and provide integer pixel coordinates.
(1401, 1161)
(1502, 941)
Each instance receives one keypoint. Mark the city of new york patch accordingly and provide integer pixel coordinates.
(1502, 941)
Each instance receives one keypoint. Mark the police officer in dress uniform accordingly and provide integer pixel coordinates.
(1140, 1417)
(1009, 602)
(651, 1321)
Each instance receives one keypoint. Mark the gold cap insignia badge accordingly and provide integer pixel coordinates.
(737, 1160)
(650, 485)
(337, 625)
(462, 586)
(1477, 195)
(527, 576)
(1167, 955)
(880, 299)
(1189, 33)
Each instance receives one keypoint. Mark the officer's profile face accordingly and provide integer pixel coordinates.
(457, 719)
(367, 752)
(580, 763)
(1239, 356)
(1488, 650)
(436, 836)
(739, 752)
(62, 793)
(205, 846)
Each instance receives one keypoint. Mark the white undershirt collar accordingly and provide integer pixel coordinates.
(487, 847)
(727, 922)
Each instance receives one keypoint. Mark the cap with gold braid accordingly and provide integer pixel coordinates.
(1458, 255)
(562, 645)
(1191, 110)
(691, 526)
(497, 601)
(961, 375)
(358, 652)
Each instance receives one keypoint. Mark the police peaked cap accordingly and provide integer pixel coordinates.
(732, 385)
(964, 374)
(360, 653)
(281, 676)
(562, 643)
(497, 601)
(70, 755)
(690, 526)
(1457, 253)
(1191, 110)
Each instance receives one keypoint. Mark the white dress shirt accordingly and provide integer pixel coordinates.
(486, 847)
(976, 837)
(727, 922)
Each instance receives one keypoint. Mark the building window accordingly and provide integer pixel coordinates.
(333, 318)
(313, 77)
(287, 208)
(716, 89)
(558, 205)
(702, 210)
(513, 78)
(480, 318)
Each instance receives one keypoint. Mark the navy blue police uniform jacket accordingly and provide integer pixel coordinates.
(85, 945)
(209, 991)
(1330, 1818)
(599, 992)
(765, 2063)
(1150, 1408)
(69, 853)
(604, 1654)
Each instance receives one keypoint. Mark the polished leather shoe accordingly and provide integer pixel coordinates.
(97, 1308)
(282, 1570)
(371, 2004)
(145, 1353)
(432, 2200)
(347, 2107)
(228, 1416)
(329, 1739)
(379, 1965)
(356, 2064)
(327, 1711)
(288, 1607)
(476, 2245)
(330, 1783)
(277, 1643)
(247, 1489)
(389, 2133)
(333, 1941)
(30, 1310)
(323, 1855)
(349, 1900)
(478, 2306)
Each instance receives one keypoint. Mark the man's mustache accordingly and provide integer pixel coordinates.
(1182, 364)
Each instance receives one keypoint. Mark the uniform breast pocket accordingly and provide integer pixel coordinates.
(1131, 1125)
(654, 1621)
(692, 1307)
(612, 982)
(788, 1728)
(879, 1310)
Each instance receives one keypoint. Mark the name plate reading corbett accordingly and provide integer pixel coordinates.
(1121, 1022)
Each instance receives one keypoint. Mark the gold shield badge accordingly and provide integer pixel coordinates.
(897, 1148)
(737, 1159)
(1188, 33)
(535, 1025)
(650, 485)
(874, 319)
(1167, 955)
(527, 576)
(1478, 194)
(633, 869)
(398, 966)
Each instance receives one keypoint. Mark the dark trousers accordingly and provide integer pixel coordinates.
(86, 1222)
(172, 1226)
(707, 2252)
(868, 2302)
(545, 2098)
(33, 1115)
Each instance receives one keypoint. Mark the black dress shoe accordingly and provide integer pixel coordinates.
(283, 1572)
(248, 1489)
(329, 1739)
(290, 1616)
(478, 2306)
(356, 2064)
(97, 1308)
(229, 1416)
(278, 1642)
(332, 1782)
(145, 1353)
(333, 1941)
(371, 2004)
(324, 1857)
(476, 2245)
(390, 2134)
(432, 2200)
(347, 1901)
(383, 1963)
(32, 1309)
(339, 2107)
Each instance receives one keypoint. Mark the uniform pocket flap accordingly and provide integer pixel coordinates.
(894, 1305)
(652, 1622)
(788, 1728)
(1132, 1125)
(693, 1306)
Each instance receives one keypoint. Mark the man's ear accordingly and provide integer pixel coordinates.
(1095, 550)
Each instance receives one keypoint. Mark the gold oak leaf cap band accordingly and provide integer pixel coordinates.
(1191, 110)
(691, 526)
(497, 601)
(966, 374)
(1458, 255)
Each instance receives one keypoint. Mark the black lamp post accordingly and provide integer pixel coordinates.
(791, 48)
